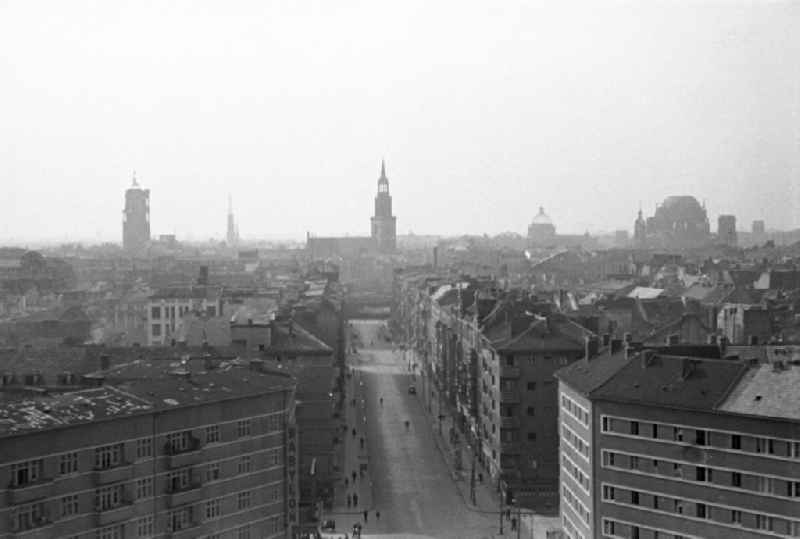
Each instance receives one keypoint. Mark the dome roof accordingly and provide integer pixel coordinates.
(541, 218)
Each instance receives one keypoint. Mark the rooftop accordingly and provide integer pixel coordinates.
(767, 390)
(585, 375)
(672, 381)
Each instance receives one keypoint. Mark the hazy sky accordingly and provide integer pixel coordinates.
(483, 111)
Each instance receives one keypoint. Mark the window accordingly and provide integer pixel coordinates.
(144, 488)
(212, 472)
(634, 463)
(531, 436)
(68, 463)
(179, 480)
(108, 456)
(677, 434)
(635, 497)
(69, 505)
(25, 473)
(243, 500)
(766, 484)
(155, 313)
(793, 489)
(156, 330)
(700, 437)
(654, 431)
(531, 386)
(736, 441)
(212, 434)
(604, 424)
(145, 527)
(761, 445)
(701, 511)
(736, 479)
(635, 428)
(111, 532)
(27, 517)
(531, 411)
(736, 517)
(701, 473)
(144, 448)
(245, 464)
(108, 497)
(243, 428)
(179, 441)
(764, 522)
(179, 519)
(213, 508)
(243, 532)
(608, 492)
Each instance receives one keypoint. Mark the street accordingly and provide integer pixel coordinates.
(412, 487)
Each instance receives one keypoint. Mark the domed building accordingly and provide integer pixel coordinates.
(679, 222)
(541, 230)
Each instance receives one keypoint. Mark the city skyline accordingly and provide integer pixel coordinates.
(584, 112)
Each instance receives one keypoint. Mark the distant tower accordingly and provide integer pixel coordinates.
(136, 218)
(232, 235)
(384, 224)
(726, 230)
(640, 230)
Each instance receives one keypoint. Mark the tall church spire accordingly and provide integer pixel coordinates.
(383, 168)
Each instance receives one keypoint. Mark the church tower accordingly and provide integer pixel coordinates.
(384, 224)
(232, 235)
(640, 230)
(136, 218)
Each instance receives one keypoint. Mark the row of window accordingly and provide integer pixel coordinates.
(625, 530)
(702, 437)
(113, 455)
(569, 497)
(578, 412)
(698, 509)
(719, 477)
(214, 508)
(576, 442)
(576, 472)
(570, 530)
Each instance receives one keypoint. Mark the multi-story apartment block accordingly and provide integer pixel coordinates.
(663, 446)
(167, 306)
(152, 451)
(487, 358)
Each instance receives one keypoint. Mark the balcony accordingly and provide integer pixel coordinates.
(17, 494)
(123, 472)
(508, 396)
(119, 513)
(34, 528)
(509, 372)
(190, 494)
(190, 532)
(178, 458)
(509, 422)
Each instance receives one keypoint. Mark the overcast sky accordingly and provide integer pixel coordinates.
(483, 111)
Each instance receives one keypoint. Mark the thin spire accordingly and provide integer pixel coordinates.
(383, 168)
(135, 183)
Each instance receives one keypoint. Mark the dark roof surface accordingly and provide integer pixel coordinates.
(585, 375)
(679, 382)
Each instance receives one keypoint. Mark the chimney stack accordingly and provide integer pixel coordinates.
(592, 347)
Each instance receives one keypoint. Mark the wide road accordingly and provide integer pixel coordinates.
(413, 489)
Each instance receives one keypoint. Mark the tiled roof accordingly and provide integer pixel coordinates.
(767, 391)
(671, 381)
(585, 375)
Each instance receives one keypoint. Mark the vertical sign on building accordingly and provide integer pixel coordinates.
(291, 477)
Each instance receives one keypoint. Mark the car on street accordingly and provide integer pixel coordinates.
(412, 390)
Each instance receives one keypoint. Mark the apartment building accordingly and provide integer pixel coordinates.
(152, 450)
(167, 306)
(654, 445)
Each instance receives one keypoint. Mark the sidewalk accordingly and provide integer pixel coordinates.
(355, 456)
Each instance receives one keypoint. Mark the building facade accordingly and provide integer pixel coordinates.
(726, 230)
(167, 306)
(142, 458)
(136, 218)
(663, 446)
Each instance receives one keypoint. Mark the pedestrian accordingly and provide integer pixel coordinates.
(354, 477)
(377, 515)
(355, 500)
(349, 501)
(381, 401)
(362, 442)
(354, 432)
(346, 481)
(366, 515)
